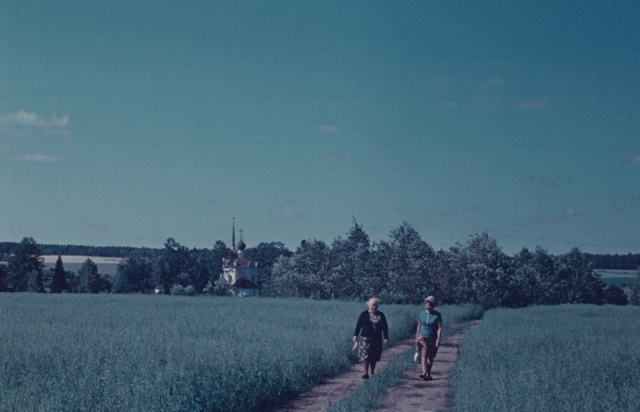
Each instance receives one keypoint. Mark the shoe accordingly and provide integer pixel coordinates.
(428, 378)
(365, 376)
(422, 376)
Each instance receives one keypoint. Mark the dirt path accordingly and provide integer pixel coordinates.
(413, 394)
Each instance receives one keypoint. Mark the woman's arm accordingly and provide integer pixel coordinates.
(439, 333)
(385, 328)
(358, 328)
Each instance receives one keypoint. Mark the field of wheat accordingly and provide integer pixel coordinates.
(142, 353)
(553, 358)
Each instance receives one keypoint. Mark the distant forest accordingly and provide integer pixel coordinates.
(630, 261)
(6, 248)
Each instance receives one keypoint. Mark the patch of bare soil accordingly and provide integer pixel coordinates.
(413, 394)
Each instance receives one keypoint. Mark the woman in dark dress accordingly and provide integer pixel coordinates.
(371, 327)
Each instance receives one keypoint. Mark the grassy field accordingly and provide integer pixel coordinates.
(166, 353)
(557, 358)
(617, 277)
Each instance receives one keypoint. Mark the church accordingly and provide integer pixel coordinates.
(240, 272)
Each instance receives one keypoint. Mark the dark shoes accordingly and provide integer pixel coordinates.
(426, 377)
(365, 376)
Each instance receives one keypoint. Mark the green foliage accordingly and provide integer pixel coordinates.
(630, 261)
(265, 255)
(402, 269)
(147, 352)
(409, 264)
(59, 279)
(560, 358)
(88, 277)
(635, 290)
(405, 269)
(179, 290)
(134, 276)
(4, 274)
(173, 260)
(305, 274)
(614, 295)
(26, 268)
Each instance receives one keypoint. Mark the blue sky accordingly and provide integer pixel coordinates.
(128, 122)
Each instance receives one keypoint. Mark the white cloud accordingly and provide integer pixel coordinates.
(492, 82)
(633, 158)
(23, 123)
(37, 158)
(554, 218)
(571, 212)
(535, 104)
(326, 128)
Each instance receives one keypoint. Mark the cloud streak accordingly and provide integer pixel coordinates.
(531, 105)
(327, 128)
(633, 158)
(492, 82)
(23, 123)
(566, 214)
(37, 158)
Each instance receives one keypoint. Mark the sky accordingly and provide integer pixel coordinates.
(125, 123)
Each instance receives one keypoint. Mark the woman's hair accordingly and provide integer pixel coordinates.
(372, 301)
(430, 299)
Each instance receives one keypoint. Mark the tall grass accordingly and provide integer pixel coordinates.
(558, 358)
(163, 353)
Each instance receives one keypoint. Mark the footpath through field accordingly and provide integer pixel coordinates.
(412, 394)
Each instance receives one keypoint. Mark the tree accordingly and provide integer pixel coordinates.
(219, 287)
(265, 256)
(490, 270)
(134, 275)
(614, 295)
(481, 273)
(26, 268)
(525, 279)
(579, 282)
(58, 280)
(635, 289)
(410, 266)
(304, 274)
(4, 274)
(89, 279)
(349, 273)
(173, 260)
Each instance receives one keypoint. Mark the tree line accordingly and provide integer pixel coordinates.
(630, 261)
(6, 249)
(402, 269)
